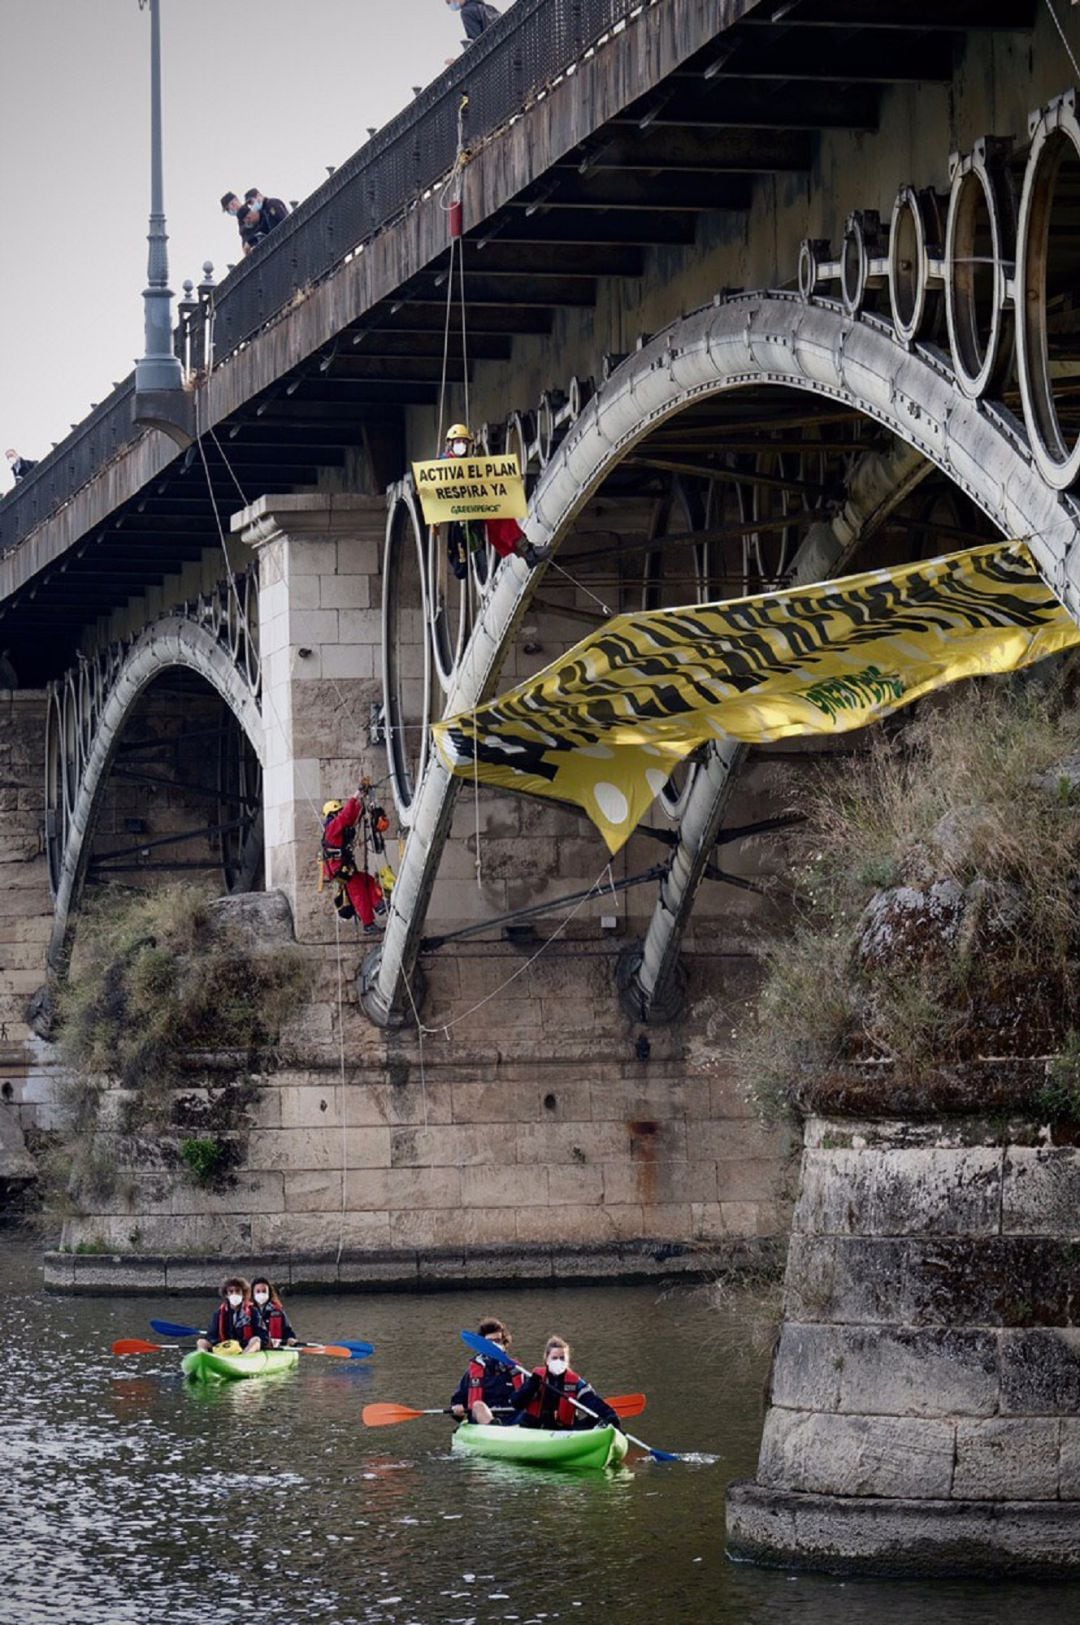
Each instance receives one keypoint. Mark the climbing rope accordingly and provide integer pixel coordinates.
(341, 1086)
(1064, 39)
(446, 1027)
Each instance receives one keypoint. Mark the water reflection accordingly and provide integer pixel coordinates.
(127, 1494)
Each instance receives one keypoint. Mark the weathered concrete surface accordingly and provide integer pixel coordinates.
(908, 1538)
(927, 1375)
(400, 1269)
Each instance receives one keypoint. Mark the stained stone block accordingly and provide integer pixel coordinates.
(1042, 1190)
(898, 1371)
(1069, 1459)
(856, 1455)
(900, 1192)
(867, 1280)
(1040, 1371)
(1007, 1460)
(807, 1366)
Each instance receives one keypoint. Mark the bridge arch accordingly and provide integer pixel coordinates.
(791, 341)
(215, 639)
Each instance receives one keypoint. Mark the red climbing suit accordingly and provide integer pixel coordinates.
(339, 833)
(504, 535)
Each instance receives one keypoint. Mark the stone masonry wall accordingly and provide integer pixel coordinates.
(537, 1136)
(929, 1357)
(26, 1090)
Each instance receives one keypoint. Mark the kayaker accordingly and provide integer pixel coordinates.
(230, 1320)
(269, 1322)
(544, 1398)
(487, 1392)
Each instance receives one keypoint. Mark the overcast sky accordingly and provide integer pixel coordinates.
(260, 93)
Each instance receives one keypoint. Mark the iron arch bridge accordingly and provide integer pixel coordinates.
(951, 326)
(214, 636)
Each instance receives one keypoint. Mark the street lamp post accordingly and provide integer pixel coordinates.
(160, 399)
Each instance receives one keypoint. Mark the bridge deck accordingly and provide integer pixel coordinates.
(637, 119)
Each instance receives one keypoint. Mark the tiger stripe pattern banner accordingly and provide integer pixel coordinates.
(606, 724)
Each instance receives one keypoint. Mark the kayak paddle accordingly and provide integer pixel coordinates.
(383, 1416)
(352, 1350)
(492, 1351)
(135, 1345)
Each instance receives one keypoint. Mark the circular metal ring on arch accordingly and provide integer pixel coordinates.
(1048, 293)
(406, 647)
(980, 247)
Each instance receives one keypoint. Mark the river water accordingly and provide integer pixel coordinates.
(127, 1495)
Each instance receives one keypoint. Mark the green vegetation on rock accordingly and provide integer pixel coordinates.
(171, 1010)
(937, 913)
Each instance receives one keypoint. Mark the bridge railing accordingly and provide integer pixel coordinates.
(530, 46)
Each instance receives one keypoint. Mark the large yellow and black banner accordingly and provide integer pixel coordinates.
(606, 724)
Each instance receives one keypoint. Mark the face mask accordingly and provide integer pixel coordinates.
(460, 448)
(262, 1297)
(455, 5)
(235, 1299)
(556, 1365)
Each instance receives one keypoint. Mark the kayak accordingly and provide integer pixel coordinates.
(543, 1447)
(201, 1366)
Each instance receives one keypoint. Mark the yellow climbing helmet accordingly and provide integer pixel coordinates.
(459, 431)
(331, 807)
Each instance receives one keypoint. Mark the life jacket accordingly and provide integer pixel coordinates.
(268, 1321)
(227, 1322)
(477, 1372)
(565, 1413)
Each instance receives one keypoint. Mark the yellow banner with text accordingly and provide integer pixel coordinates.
(464, 488)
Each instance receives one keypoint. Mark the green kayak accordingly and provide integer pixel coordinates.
(543, 1447)
(203, 1367)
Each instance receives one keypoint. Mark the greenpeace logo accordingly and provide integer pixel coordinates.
(865, 688)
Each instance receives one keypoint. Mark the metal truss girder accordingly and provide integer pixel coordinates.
(770, 338)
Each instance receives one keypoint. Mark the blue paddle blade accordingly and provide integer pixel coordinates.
(657, 1455)
(359, 1351)
(490, 1351)
(165, 1328)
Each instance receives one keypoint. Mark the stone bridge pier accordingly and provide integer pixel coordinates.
(924, 1396)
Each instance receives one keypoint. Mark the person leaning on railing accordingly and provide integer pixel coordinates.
(20, 466)
(476, 16)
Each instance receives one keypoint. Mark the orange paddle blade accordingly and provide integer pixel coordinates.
(135, 1345)
(381, 1416)
(628, 1404)
(334, 1349)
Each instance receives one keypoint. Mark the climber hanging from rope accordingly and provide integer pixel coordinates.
(504, 535)
(356, 891)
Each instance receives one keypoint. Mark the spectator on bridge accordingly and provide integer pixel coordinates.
(20, 466)
(476, 17)
(248, 220)
(264, 212)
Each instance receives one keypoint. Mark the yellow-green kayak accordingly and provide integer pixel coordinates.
(202, 1366)
(543, 1447)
